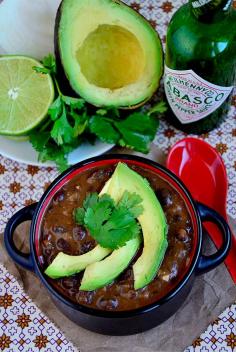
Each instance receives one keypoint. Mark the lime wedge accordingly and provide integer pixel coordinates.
(25, 95)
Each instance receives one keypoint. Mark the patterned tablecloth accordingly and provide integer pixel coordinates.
(23, 327)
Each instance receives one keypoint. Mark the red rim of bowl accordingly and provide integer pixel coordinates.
(111, 160)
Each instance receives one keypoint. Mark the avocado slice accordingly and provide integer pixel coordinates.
(67, 265)
(152, 221)
(111, 55)
(100, 274)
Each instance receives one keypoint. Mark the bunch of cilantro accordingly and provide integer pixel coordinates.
(110, 224)
(71, 121)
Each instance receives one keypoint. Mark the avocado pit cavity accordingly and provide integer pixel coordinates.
(111, 57)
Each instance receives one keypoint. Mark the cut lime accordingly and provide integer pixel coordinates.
(18, 138)
(25, 95)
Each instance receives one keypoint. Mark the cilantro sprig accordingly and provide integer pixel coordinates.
(71, 121)
(110, 224)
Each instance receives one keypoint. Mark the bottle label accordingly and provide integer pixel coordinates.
(191, 97)
(199, 3)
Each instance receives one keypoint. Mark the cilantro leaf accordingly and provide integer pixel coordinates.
(39, 140)
(101, 112)
(56, 154)
(135, 132)
(42, 70)
(132, 202)
(79, 214)
(110, 224)
(81, 122)
(50, 63)
(55, 109)
(96, 216)
(62, 132)
(160, 107)
(104, 129)
(90, 200)
(99, 209)
(138, 130)
(120, 228)
(74, 103)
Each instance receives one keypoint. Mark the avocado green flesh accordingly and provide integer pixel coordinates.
(104, 272)
(152, 221)
(115, 58)
(67, 265)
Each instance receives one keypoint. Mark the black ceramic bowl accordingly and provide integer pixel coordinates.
(132, 321)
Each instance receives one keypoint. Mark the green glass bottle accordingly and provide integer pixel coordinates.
(200, 67)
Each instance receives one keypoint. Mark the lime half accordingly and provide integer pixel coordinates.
(25, 95)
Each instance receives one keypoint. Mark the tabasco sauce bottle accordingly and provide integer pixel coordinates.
(200, 64)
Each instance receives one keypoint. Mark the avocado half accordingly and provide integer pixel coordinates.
(111, 55)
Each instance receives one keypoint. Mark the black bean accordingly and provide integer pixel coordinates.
(86, 246)
(177, 218)
(177, 209)
(174, 270)
(79, 233)
(107, 303)
(99, 175)
(47, 237)
(126, 275)
(95, 176)
(145, 293)
(41, 259)
(122, 288)
(63, 245)
(66, 283)
(131, 294)
(70, 282)
(85, 297)
(72, 291)
(182, 254)
(47, 251)
(182, 235)
(59, 229)
(165, 197)
(189, 229)
(59, 196)
(51, 257)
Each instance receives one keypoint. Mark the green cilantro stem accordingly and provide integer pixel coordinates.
(45, 125)
(57, 86)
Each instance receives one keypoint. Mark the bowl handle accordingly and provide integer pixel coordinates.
(206, 263)
(23, 259)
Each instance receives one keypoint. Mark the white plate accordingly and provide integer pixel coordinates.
(27, 28)
(24, 152)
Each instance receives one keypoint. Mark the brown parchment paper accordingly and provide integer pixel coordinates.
(210, 295)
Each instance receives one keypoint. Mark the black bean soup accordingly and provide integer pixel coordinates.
(60, 233)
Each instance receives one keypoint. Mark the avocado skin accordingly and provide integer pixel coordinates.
(61, 76)
(63, 79)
